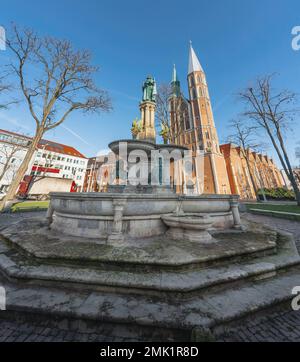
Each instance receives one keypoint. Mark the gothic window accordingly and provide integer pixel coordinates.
(200, 135)
(194, 94)
(187, 123)
(196, 110)
(198, 79)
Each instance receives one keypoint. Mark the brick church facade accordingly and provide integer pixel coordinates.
(192, 124)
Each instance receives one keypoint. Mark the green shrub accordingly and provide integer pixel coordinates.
(277, 194)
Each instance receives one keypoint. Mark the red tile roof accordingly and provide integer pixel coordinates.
(59, 148)
(50, 145)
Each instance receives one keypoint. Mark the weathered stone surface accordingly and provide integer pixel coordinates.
(148, 283)
(93, 215)
(35, 237)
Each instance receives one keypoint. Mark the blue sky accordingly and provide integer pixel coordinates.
(236, 40)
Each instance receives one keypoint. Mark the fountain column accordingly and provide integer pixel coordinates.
(235, 213)
(117, 234)
(148, 116)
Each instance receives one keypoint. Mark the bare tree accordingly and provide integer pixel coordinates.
(297, 153)
(244, 137)
(164, 107)
(8, 153)
(4, 87)
(297, 175)
(271, 112)
(61, 83)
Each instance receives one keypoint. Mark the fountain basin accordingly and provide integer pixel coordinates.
(93, 215)
(189, 227)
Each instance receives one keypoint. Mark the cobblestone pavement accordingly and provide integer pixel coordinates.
(18, 331)
(280, 326)
(274, 325)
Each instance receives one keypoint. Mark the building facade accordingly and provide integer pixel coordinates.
(297, 175)
(97, 174)
(192, 124)
(264, 172)
(51, 159)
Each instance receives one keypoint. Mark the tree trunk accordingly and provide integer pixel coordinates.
(6, 166)
(291, 172)
(286, 167)
(5, 169)
(22, 170)
(252, 179)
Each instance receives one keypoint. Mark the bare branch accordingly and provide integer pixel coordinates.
(272, 112)
(55, 81)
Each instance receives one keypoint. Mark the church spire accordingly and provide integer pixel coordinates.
(175, 84)
(174, 79)
(194, 64)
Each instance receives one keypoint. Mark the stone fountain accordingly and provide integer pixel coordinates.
(144, 258)
(134, 210)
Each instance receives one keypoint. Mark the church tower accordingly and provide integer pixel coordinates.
(181, 129)
(205, 133)
(204, 125)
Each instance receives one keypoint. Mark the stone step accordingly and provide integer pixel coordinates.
(26, 270)
(144, 255)
(208, 310)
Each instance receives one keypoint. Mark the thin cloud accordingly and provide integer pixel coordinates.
(14, 121)
(76, 135)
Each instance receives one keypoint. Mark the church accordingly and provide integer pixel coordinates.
(192, 124)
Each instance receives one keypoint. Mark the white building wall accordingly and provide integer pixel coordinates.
(67, 166)
(13, 165)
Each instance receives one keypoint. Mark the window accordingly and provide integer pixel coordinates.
(194, 93)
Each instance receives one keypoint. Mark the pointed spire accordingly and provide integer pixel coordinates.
(175, 84)
(174, 79)
(194, 64)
